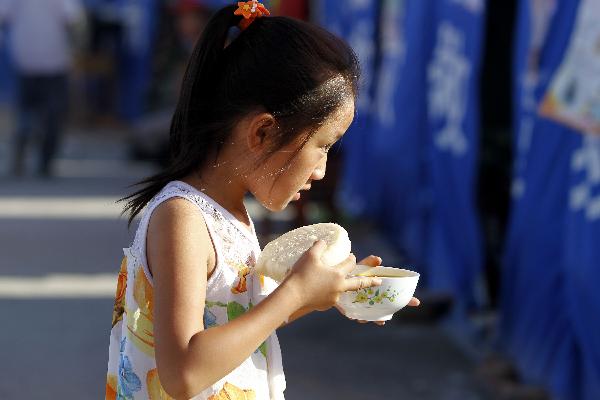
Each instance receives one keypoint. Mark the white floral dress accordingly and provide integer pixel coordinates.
(232, 290)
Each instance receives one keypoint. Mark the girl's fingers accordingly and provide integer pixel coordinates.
(380, 323)
(347, 265)
(358, 283)
(371, 261)
(414, 302)
(318, 248)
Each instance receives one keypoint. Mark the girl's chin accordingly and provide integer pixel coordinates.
(275, 206)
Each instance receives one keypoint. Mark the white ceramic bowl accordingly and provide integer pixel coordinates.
(379, 303)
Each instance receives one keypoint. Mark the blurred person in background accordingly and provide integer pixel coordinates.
(182, 23)
(40, 42)
(101, 63)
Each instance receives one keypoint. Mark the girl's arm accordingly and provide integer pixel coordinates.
(190, 358)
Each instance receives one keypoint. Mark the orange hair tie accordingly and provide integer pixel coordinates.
(250, 10)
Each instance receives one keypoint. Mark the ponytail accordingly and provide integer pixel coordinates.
(201, 72)
(198, 76)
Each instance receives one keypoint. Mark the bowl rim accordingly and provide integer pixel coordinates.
(411, 274)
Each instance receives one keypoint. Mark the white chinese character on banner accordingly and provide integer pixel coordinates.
(529, 83)
(393, 50)
(529, 79)
(448, 79)
(585, 196)
(474, 6)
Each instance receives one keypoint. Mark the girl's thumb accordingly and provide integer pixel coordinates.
(318, 245)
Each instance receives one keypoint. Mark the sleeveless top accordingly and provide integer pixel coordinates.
(232, 290)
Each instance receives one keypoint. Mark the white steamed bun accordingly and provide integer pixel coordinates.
(279, 256)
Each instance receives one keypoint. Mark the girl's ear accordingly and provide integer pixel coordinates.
(259, 129)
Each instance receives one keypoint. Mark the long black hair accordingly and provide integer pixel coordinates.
(295, 70)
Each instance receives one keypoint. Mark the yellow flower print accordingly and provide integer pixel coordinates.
(244, 269)
(231, 392)
(140, 322)
(367, 296)
(361, 297)
(111, 387)
(155, 389)
(143, 292)
(119, 307)
(241, 287)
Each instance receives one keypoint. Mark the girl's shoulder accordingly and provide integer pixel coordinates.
(177, 207)
(176, 230)
(175, 213)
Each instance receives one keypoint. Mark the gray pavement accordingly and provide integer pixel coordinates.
(56, 347)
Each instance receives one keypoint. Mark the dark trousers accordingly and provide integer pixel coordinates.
(41, 107)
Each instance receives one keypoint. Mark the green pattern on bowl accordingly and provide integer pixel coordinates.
(375, 296)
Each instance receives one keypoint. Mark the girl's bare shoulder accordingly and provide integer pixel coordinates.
(177, 233)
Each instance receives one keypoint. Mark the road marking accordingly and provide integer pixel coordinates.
(60, 208)
(100, 207)
(59, 286)
(69, 168)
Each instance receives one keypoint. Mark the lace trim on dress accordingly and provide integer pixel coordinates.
(225, 213)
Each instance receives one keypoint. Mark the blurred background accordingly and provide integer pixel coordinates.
(474, 160)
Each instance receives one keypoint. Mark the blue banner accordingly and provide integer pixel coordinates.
(356, 22)
(400, 197)
(536, 330)
(536, 327)
(455, 248)
(582, 260)
(526, 76)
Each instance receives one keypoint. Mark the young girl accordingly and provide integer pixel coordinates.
(257, 113)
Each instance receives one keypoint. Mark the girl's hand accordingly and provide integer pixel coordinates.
(374, 261)
(317, 286)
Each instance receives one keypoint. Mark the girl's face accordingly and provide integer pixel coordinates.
(278, 184)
